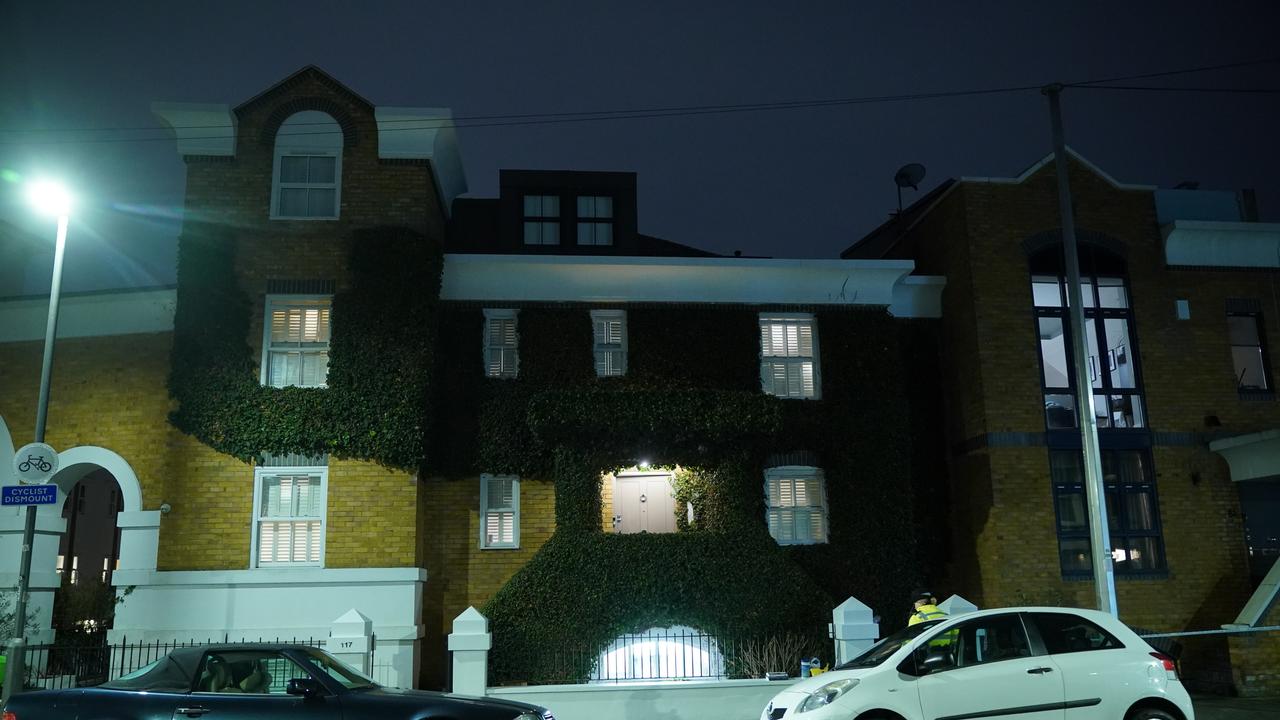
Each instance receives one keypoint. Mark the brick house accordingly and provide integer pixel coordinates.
(1180, 302)
(278, 506)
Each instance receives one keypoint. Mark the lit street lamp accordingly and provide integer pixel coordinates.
(50, 199)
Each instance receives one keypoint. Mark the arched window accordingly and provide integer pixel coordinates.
(1112, 359)
(307, 168)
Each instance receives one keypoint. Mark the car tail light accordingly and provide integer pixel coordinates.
(1169, 665)
(8, 715)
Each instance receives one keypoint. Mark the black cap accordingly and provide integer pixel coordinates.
(922, 594)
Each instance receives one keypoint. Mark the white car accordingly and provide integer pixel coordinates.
(1028, 663)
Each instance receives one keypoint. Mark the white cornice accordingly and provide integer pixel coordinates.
(119, 312)
(201, 128)
(595, 279)
(1211, 243)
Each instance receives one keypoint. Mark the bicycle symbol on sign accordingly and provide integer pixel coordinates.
(35, 461)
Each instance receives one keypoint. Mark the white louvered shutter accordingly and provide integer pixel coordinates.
(788, 358)
(299, 343)
(290, 527)
(797, 506)
(609, 329)
(499, 512)
(501, 346)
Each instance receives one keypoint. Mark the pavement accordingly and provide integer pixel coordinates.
(1211, 707)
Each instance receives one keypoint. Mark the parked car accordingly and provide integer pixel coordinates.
(257, 682)
(1033, 663)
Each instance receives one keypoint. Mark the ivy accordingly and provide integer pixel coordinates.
(375, 406)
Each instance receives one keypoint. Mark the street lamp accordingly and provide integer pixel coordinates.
(49, 199)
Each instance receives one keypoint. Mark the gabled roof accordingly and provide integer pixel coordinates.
(310, 71)
(882, 239)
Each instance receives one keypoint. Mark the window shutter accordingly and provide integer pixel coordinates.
(797, 505)
(499, 503)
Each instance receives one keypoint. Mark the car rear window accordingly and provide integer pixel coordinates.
(1068, 633)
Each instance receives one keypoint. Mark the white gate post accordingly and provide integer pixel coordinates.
(469, 643)
(855, 629)
(956, 605)
(349, 640)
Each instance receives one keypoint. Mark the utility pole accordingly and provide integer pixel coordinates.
(1104, 579)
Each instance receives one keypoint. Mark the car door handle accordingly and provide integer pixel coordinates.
(192, 711)
(1039, 671)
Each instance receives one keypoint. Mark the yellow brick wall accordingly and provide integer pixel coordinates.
(1255, 659)
(372, 516)
(459, 573)
(1005, 548)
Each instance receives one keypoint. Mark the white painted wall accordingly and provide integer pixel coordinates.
(726, 700)
(284, 603)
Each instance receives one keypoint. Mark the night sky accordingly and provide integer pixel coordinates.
(797, 182)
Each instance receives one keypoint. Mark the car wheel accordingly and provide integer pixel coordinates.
(1150, 713)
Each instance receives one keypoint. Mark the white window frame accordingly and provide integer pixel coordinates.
(307, 142)
(792, 473)
(544, 222)
(273, 302)
(514, 509)
(602, 350)
(491, 314)
(769, 362)
(594, 220)
(259, 474)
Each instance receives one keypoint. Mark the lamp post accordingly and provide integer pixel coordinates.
(49, 199)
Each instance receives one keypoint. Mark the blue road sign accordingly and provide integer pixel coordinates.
(29, 495)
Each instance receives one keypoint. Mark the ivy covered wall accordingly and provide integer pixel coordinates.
(691, 398)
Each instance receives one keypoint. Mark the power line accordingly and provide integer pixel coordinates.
(507, 120)
(1241, 91)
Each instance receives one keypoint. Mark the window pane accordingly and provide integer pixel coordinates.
(1046, 291)
(1126, 411)
(1067, 633)
(293, 168)
(1139, 511)
(1074, 554)
(586, 206)
(320, 202)
(1250, 370)
(1095, 367)
(551, 206)
(1136, 554)
(991, 640)
(1086, 290)
(532, 233)
(1059, 411)
(604, 207)
(604, 233)
(550, 233)
(1053, 351)
(1111, 293)
(1071, 512)
(1127, 467)
(1243, 329)
(322, 169)
(293, 202)
(1119, 360)
(586, 233)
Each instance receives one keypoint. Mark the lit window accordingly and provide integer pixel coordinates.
(541, 220)
(307, 168)
(499, 511)
(797, 505)
(289, 516)
(61, 563)
(106, 568)
(671, 653)
(609, 328)
(75, 569)
(1248, 352)
(295, 345)
(789, 356)
(501, 344)
(595, 220)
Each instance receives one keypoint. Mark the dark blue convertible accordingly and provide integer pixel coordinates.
(255, 682)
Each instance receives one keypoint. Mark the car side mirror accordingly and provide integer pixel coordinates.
(305, 687)
(936, 660)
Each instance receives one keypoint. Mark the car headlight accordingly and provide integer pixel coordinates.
(531, 715)
(827, 694)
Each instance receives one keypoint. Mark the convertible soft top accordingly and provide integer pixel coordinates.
(176, 671)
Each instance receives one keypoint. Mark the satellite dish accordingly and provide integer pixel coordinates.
(910, 176)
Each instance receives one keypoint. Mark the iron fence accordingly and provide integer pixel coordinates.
(60, 667)
(679, 654)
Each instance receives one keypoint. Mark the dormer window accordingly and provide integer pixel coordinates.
(595, 220)
(541, 220)
(307, 168)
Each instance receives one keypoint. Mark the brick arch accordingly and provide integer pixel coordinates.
(1043, 240)
(340, 115)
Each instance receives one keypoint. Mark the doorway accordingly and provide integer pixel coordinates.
(643, 502)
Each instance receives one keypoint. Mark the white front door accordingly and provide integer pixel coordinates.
(990, 672)
(644, 502)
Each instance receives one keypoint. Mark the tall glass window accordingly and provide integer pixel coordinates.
(1109, 342)
(1133, 515)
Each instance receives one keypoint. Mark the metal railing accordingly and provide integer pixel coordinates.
(60, 667)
